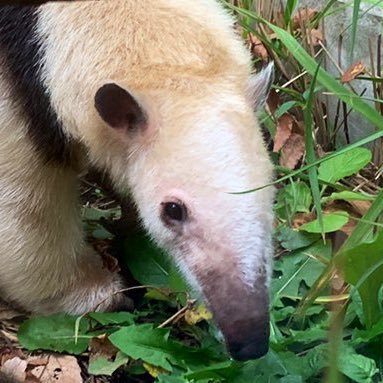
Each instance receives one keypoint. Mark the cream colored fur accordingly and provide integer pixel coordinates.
(183, 62)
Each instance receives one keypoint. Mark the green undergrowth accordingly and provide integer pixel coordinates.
(326, 294)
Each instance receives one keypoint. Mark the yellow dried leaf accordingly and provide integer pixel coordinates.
(197, 314)
(154, 371)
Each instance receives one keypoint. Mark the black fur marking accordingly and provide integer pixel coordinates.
(22, 54)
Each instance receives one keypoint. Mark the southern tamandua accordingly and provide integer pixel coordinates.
(157, 93)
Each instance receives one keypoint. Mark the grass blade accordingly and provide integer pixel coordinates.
(310, 151)
(354, 28)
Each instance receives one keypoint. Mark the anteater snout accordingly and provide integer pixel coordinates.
(252, 344)
(242, 315)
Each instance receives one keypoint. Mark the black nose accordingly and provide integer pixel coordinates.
(247, 350)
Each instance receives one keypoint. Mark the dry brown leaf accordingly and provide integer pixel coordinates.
(349, 227)
(292, 151)
(284, 130)
(60, 369)
(360, 207)
(38, 361)
(257, 48)
(101, 346)
(273, 100)
(353, 71)
(315, 37)
(15, 368)
(7, 353)
(302, 17)
(301, 218)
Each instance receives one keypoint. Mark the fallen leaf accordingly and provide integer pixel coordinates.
(315, 37)
(284, 130)
(273, 100)
(7, 353)
(302, 218)
(360, 207)
(197, 314)
(292, 151)
(38, 361)
(349, 227)
(15, 368)
(154, 371)
(302, 17)
(257, 48)
(101, 346)
(60, 369)
(353, 71)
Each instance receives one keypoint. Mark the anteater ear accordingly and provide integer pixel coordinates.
(119, 109)
(259, 86)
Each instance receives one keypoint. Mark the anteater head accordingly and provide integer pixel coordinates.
(187, 157)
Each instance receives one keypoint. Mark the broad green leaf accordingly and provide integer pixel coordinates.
(104, 366)
(331, 222)
(153, 346)
(113, 318)
(295, 269)
(365, 336)
(56, 333)
(310, 335)
(291, 239)
(297, 197)
(292, 379)
(362, 266)
(348, 196)
(364, 230)
(146, 343)
(151, 266)
(171, 379)
(344, 165)
(355, 366)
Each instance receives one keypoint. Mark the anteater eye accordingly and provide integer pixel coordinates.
(174, 211)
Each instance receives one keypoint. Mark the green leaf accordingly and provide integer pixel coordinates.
(366, 336)
(285, 107)
(104, 366)
(331, 222)
(171, 379)
(113, 318)
(355, 366)
(310, 335)
(292, 379)
(363, 230)
(362, 266)
(295, 269)
(56, 332)
(297, 196)
(344, 165)
(145, 343)
(291, 239)
(348, 196)
(153, 346)
(151, 266)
